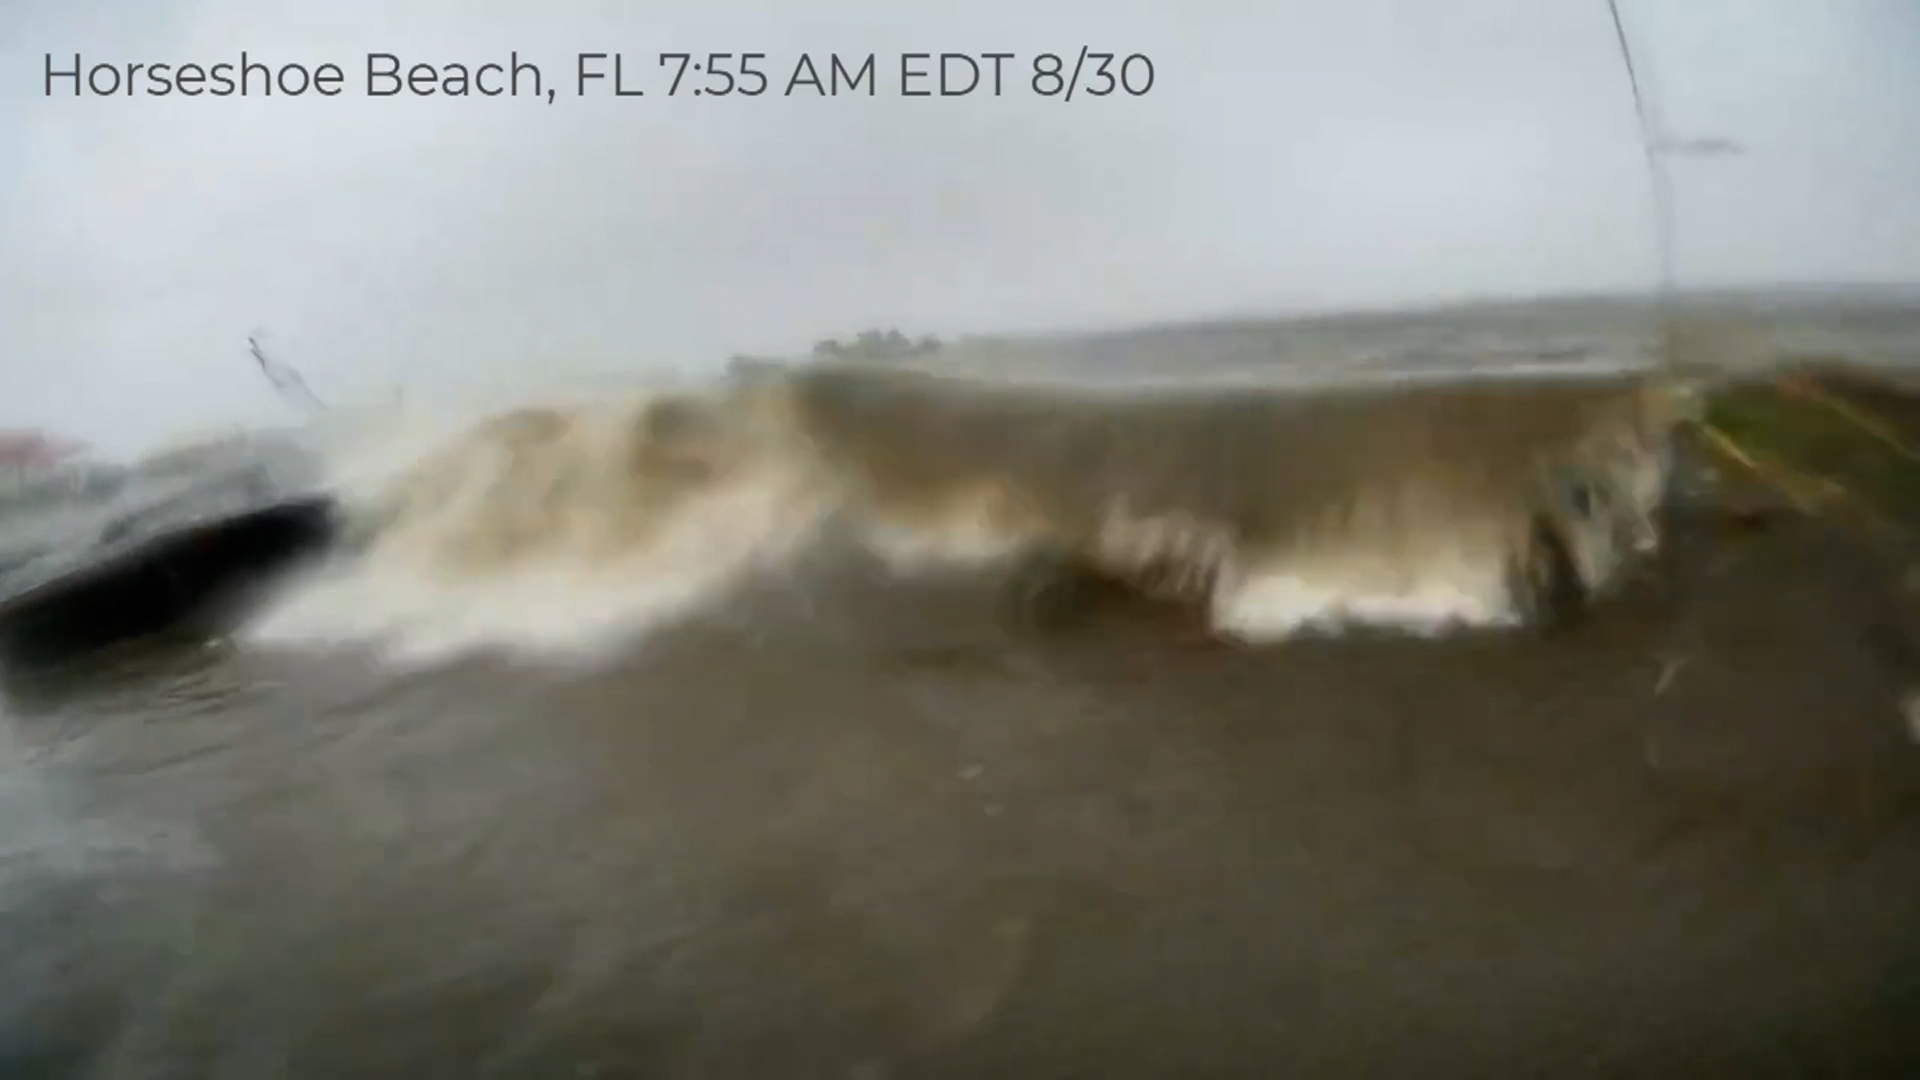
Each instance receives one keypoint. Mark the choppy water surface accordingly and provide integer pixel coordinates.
(848, 824)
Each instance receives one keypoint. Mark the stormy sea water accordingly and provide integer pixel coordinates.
(825, 819)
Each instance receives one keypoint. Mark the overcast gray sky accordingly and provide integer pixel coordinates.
(1289, 154)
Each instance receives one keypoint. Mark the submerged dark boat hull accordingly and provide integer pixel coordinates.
(189, 575)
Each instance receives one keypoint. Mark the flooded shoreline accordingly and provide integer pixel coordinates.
(852, 826)
(894, 829)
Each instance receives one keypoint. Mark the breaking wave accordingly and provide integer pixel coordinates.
(571, 526)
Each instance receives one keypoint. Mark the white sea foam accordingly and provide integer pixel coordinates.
(565, 548)
(572, 526)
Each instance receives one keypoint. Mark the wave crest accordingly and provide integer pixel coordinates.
(562, 527)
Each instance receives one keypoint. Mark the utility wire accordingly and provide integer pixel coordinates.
(285, 381)
(1652, 147)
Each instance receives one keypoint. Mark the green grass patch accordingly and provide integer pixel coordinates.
(1831, 440)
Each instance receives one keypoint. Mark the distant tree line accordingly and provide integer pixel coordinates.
(867, 345)
(875, 345)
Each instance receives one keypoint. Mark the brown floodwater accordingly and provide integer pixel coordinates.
(861, 829)
(850, 826)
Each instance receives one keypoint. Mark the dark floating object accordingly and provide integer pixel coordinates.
(141, 576)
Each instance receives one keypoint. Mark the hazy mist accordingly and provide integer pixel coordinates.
(1289, 154)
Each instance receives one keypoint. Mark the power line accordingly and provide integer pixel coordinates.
(285, 380)
(1654, 147)
(1658, 145)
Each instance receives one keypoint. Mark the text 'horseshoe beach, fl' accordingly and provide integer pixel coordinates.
(1069, 74)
